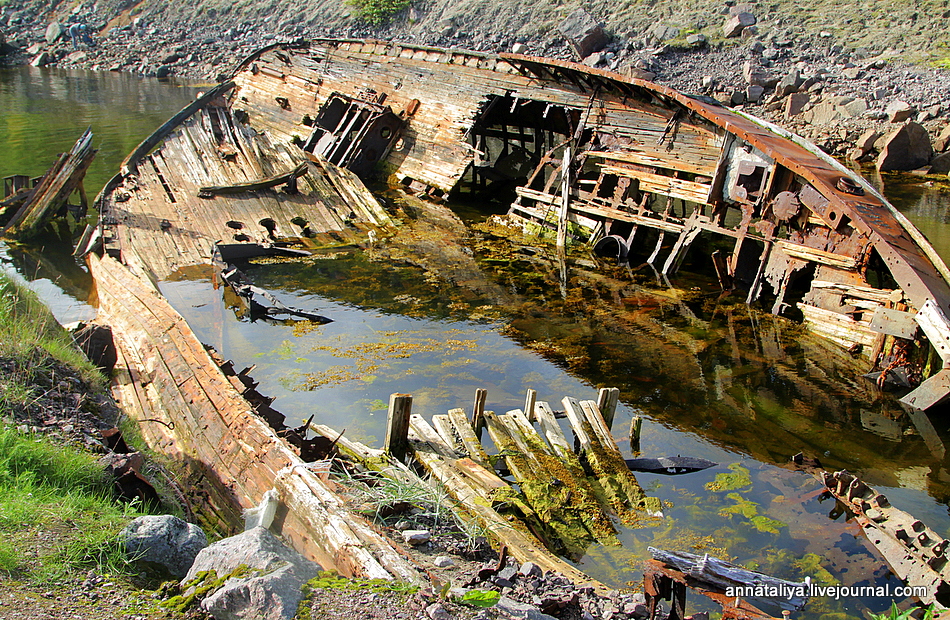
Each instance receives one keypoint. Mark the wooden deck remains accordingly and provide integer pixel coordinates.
(36, 203)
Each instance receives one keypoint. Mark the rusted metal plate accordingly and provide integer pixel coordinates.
(933, 321)
(894, 323)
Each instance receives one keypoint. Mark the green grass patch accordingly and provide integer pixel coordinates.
(378, 12)
(32, 340)
(57, 512)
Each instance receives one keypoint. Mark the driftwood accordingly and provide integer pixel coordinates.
(287, 178)
(670, 465)
(790, 595)
(53, 190)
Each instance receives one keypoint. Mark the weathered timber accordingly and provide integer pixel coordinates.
(53, 191)
(521, 544)
(186, 406)
(286, 178)
(397, 425)
(603, 457)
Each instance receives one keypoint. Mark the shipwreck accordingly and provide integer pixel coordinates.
(274, 160)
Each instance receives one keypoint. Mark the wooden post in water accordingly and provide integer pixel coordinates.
(607, 399)
(565, 199)
(530, 398)
(635, 424)
(478, 410)
(397, 426)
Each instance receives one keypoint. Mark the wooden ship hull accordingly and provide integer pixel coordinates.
(274, 156)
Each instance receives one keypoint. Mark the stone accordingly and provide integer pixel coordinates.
(41, 60)
(443, 561)
(854, 108)
(734, 25)
(788, 84)
(664, 32)
(899, 111)
(515, 609)
(416, 537)
(519, 48)
(853, 73)
(77, 56)
(594, 59)
(34, 49)
(165, 540)
(640, 74)
(530, 569)
(737, 97)
(943, 139)
(754, 74)
(754, 92)
(437, 611)
(583, 33)
(163, 71)
(707, 82)
(756, 48)
(906, 148)
(54, 31)
(696, 40)
(940, 164)
(271, 592)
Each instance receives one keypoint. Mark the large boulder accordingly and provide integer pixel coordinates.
(735, 24)
(834, 109)
(583, 32)
(906, 148)
(899, 111)
(265, 579)
(54, 31)
(165, 540)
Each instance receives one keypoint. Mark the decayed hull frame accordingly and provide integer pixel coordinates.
(588, 152)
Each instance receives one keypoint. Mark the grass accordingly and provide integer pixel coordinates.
(378, 12)
(33, 343)
(57, 512)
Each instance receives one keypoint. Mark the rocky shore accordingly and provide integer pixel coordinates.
(850, 100)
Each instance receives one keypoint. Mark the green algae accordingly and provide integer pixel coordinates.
(739, 478)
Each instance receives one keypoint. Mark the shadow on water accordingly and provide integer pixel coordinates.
(443, 307)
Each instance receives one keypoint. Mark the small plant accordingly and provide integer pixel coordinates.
(481, 598)
(896, 614)
(378, 12)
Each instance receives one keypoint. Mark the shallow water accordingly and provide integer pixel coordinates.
(437, 314)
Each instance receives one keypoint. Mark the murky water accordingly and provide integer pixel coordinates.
(438, 312)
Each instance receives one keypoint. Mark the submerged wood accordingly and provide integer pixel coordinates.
(52, 192)
(671, 465)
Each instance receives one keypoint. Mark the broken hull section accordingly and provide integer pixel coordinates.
(649, 172)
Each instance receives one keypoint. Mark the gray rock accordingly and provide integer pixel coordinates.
(511, 608)
(756, 75)
(737, 97)
(754, 92)
(443, 561)
(530, 569)
(163, 71)
(165, 540)
(519, 48)
(583, 33)
(640, 74)
(54, 31)
(788, 84)
(696, 40)
(41, 60)
(416, 537)
(664, 32)
(899, 111)
(437, 611)
(736, 23)
(594, 59)
(907, 148)
(707, 82)
(271, 590)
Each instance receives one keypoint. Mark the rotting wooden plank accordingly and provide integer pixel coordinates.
(466, 434)
(521, 544)
(552, 431)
